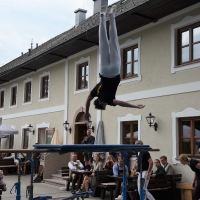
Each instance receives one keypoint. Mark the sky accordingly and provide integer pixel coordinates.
(40, 20)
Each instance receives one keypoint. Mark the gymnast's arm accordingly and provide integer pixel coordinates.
(126, 104)
(87, 106)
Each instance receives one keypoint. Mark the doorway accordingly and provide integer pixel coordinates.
(80, 134)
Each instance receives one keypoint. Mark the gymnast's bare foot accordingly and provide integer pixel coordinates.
(113, 9)
(103, 10)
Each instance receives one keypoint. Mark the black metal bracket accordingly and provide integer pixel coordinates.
(55, 54)
(34, 70)
(88, 41)
(4, 80)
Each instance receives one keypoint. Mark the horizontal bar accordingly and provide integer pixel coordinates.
(62, 151)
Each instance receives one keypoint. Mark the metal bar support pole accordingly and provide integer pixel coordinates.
(18, 184)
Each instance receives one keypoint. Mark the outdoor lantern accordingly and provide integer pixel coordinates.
(30, 129)
(89, 126)
(150, 121)
(66, 126)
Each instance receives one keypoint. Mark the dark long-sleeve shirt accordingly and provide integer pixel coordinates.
(160, 171)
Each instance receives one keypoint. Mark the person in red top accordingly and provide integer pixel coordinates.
(195, 167)
(109, 67)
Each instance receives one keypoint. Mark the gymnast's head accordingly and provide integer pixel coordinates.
(99, 105)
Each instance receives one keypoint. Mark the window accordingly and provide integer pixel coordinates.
(45, 135)
(13, 96)
(2, 99)
(189, 136)
(25, 138)
(11, 141)
(130, 62)
(83, 76)
(49, 135)
(130, 132)
(27, 92)
(44, 87)
(188, 44)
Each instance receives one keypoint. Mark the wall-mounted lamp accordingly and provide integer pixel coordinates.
(89, 125)
(150, 121)
(30, 129)
(66, 126)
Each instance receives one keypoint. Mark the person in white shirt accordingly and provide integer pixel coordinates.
(167, 167)
(74, 165)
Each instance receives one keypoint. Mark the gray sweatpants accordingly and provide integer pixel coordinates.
(109, 51)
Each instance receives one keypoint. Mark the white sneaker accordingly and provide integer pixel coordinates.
(120, 197)
(103, 10)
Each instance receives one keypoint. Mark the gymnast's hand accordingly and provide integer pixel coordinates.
(87, 116)
(140, 106)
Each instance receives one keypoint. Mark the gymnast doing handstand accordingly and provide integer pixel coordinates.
(109, 67)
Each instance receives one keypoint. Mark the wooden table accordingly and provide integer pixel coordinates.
(80, 176)
(119, 180)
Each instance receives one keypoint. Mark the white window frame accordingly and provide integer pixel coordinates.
(13, 139)
(3, 89)
(22, 137)
(188, 112)
(77, 63)
(127, 118)
(125, 45)
(26, 81)
(186, 21)
(42, 125)
(12, 86)
(40, 86)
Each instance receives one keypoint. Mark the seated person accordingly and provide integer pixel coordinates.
(97, 166)
(74, 165)
(27, 162)
(119, 168)
(167, 167)
(16, 161)
(160, 170)
(126, 155)
(135, 168)
(110, 161)
(1, 181)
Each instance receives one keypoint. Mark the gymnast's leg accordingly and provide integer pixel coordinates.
(115, 58)
(104, 51)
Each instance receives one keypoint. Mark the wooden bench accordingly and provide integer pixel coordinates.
(159, 184)
(7, 163)
(102, 178)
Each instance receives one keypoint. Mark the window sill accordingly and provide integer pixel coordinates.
(131, 79)
(185, 66)
(81, 90)
(27, 103)
(13, 106)
(44, 99)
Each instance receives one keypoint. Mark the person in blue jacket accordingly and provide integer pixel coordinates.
(125, 155)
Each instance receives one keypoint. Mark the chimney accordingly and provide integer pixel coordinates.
(80, 15)
(98, 4)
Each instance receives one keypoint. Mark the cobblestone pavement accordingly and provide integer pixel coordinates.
(40, 189)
